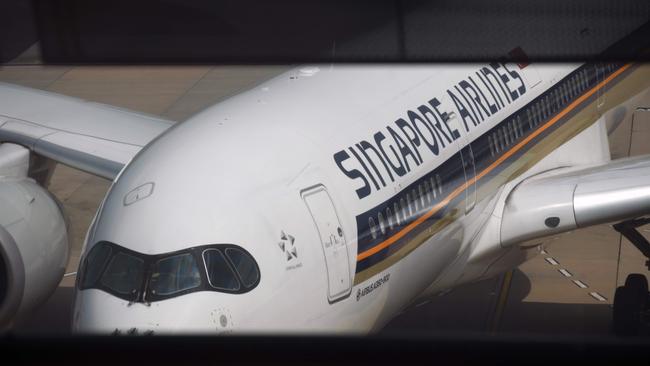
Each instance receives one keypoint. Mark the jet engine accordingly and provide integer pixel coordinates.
(33, 238)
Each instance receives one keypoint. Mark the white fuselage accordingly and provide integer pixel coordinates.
(356, 189)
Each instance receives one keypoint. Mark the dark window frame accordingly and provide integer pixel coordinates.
(144, 293)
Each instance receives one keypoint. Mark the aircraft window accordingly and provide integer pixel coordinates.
(397, 210)
(373, 227)
(429, 191)
(515, 126)
(547, 105)
(405, 210)
(504, 131)
(533, 115)
(409, 205)
(513, 136)
(95, 263)
(491, 145)
(220, 275)
(244, 265)
(413, 202)
(519, 125)
(382, 223)
(501, 139)
(175, 274)
(389, 218)
(124, 274)
(432, 183)
(423, 203)
(566, 93)
(439, 183)
(530, 119)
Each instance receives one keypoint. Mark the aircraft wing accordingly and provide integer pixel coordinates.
(92, 137)
(566, 199)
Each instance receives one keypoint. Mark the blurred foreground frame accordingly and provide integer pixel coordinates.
(306, 31)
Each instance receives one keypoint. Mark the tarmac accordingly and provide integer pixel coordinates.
(566, 290)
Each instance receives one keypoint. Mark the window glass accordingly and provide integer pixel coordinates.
(433, 187)
(439, 181)
(373, 228)
(382, 223)
(413, 202)
(423, 203)
(220, 275)
(95, 264)
(244, 265)
(397, 214)
(491, 145)
(175, 274)
(124, 274)
(389, 218)
(408, 209)
(405, 210)
(428, 191)
(547, 105)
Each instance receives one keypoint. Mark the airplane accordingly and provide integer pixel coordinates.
(326, 199)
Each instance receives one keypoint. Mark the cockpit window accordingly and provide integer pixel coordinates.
(244, 265)
(95, 263)
(220, 274)
(124, 274)
(175, 274)
(138, 277)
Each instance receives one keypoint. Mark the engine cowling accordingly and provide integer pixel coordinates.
(33, 247)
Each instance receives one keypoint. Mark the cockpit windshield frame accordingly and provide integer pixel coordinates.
(142, 292)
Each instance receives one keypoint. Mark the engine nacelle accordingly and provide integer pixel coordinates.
(34, 247)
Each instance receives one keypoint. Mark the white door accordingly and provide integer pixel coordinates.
(332, 239)
(469, 166)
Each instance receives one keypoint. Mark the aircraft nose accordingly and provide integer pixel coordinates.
(97, 312)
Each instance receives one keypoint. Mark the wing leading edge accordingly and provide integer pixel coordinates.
(92, 137)
(566, 199)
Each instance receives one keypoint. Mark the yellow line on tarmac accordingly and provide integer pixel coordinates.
(504, 290)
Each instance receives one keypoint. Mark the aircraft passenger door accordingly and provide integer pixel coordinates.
(469, 166)
(332, 240)
(468, 162)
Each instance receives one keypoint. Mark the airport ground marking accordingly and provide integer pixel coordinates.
(580, 284)
(598, 296)
(552, 261)
(565, 272)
